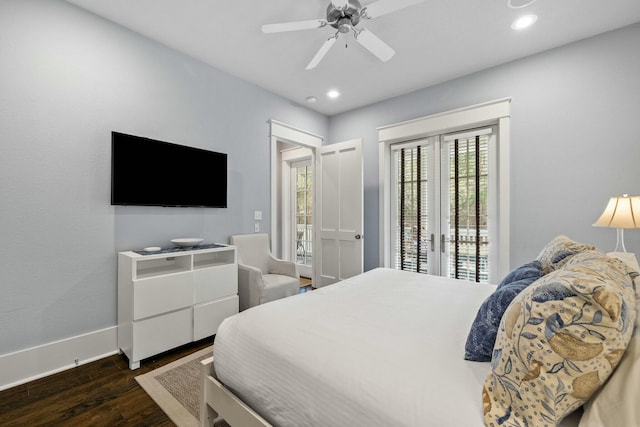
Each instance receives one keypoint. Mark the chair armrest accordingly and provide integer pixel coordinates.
(250, 275)
(286, 268)
(250, 286)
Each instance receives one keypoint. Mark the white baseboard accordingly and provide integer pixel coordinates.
(47, 359)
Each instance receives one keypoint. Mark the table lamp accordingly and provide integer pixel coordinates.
(621, 212)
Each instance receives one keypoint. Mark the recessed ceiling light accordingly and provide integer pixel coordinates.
(311, 99)
(524, 22)
(333, 94)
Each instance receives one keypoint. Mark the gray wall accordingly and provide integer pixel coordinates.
(68, 79)
(575, 138)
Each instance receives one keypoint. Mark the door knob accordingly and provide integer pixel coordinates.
(358, 237)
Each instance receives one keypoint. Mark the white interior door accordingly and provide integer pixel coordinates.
(340, 186)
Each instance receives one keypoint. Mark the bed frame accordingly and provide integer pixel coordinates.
(218, 402)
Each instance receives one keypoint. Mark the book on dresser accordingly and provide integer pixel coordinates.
(173, 297)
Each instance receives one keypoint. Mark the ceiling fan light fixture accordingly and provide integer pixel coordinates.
(344, 25)
(524, 22)
(347, 16)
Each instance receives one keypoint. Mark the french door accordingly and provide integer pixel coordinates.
(443, 196)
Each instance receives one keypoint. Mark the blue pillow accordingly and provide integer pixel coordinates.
(527, 271)
(482, 336)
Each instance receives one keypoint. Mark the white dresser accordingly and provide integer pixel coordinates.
(169, 299)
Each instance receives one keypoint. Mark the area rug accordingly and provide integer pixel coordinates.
(176, 388)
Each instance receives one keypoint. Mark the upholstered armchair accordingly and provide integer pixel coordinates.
(261, 276)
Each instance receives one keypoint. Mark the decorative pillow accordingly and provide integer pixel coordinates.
(628, 258)
(484, 328)
(595, 260)
(558, 342)
(558, 251)
(524, 273)
(616, 403)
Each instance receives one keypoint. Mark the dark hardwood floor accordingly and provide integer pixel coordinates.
(101, 393)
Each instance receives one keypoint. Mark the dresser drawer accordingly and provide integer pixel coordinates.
(208, 316)
(215, 282)
(157, 334)
(162, 294)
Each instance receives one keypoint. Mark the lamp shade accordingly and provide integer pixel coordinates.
(621, 212)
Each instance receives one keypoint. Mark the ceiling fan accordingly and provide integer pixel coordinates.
(344, 15)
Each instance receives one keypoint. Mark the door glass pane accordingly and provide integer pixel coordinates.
(468, 236)
(303, 215)
(411, 233)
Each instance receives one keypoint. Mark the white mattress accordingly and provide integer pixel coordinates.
(380, 349)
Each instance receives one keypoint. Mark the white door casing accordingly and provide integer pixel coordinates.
(282, 132)
(340, 211)
(490, 113)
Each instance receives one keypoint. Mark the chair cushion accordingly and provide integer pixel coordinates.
(253, 250)
(277, 286)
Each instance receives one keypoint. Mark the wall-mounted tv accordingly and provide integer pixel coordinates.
(147, 172)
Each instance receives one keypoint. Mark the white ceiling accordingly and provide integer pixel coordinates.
(434, 41)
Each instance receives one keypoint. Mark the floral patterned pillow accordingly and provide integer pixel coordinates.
(559, 341)
(558, 251)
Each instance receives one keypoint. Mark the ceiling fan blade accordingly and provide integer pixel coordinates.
(322, 52)
(382, 7)
(294, 26)
(374, 45)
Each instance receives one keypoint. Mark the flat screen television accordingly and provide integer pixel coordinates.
(147, 172)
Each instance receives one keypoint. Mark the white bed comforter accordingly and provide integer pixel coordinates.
(384, 348)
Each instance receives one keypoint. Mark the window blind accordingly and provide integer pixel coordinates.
(411, 251)
(468, 191)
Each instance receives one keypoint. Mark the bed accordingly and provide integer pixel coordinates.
(380, 349)
(555, 343)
